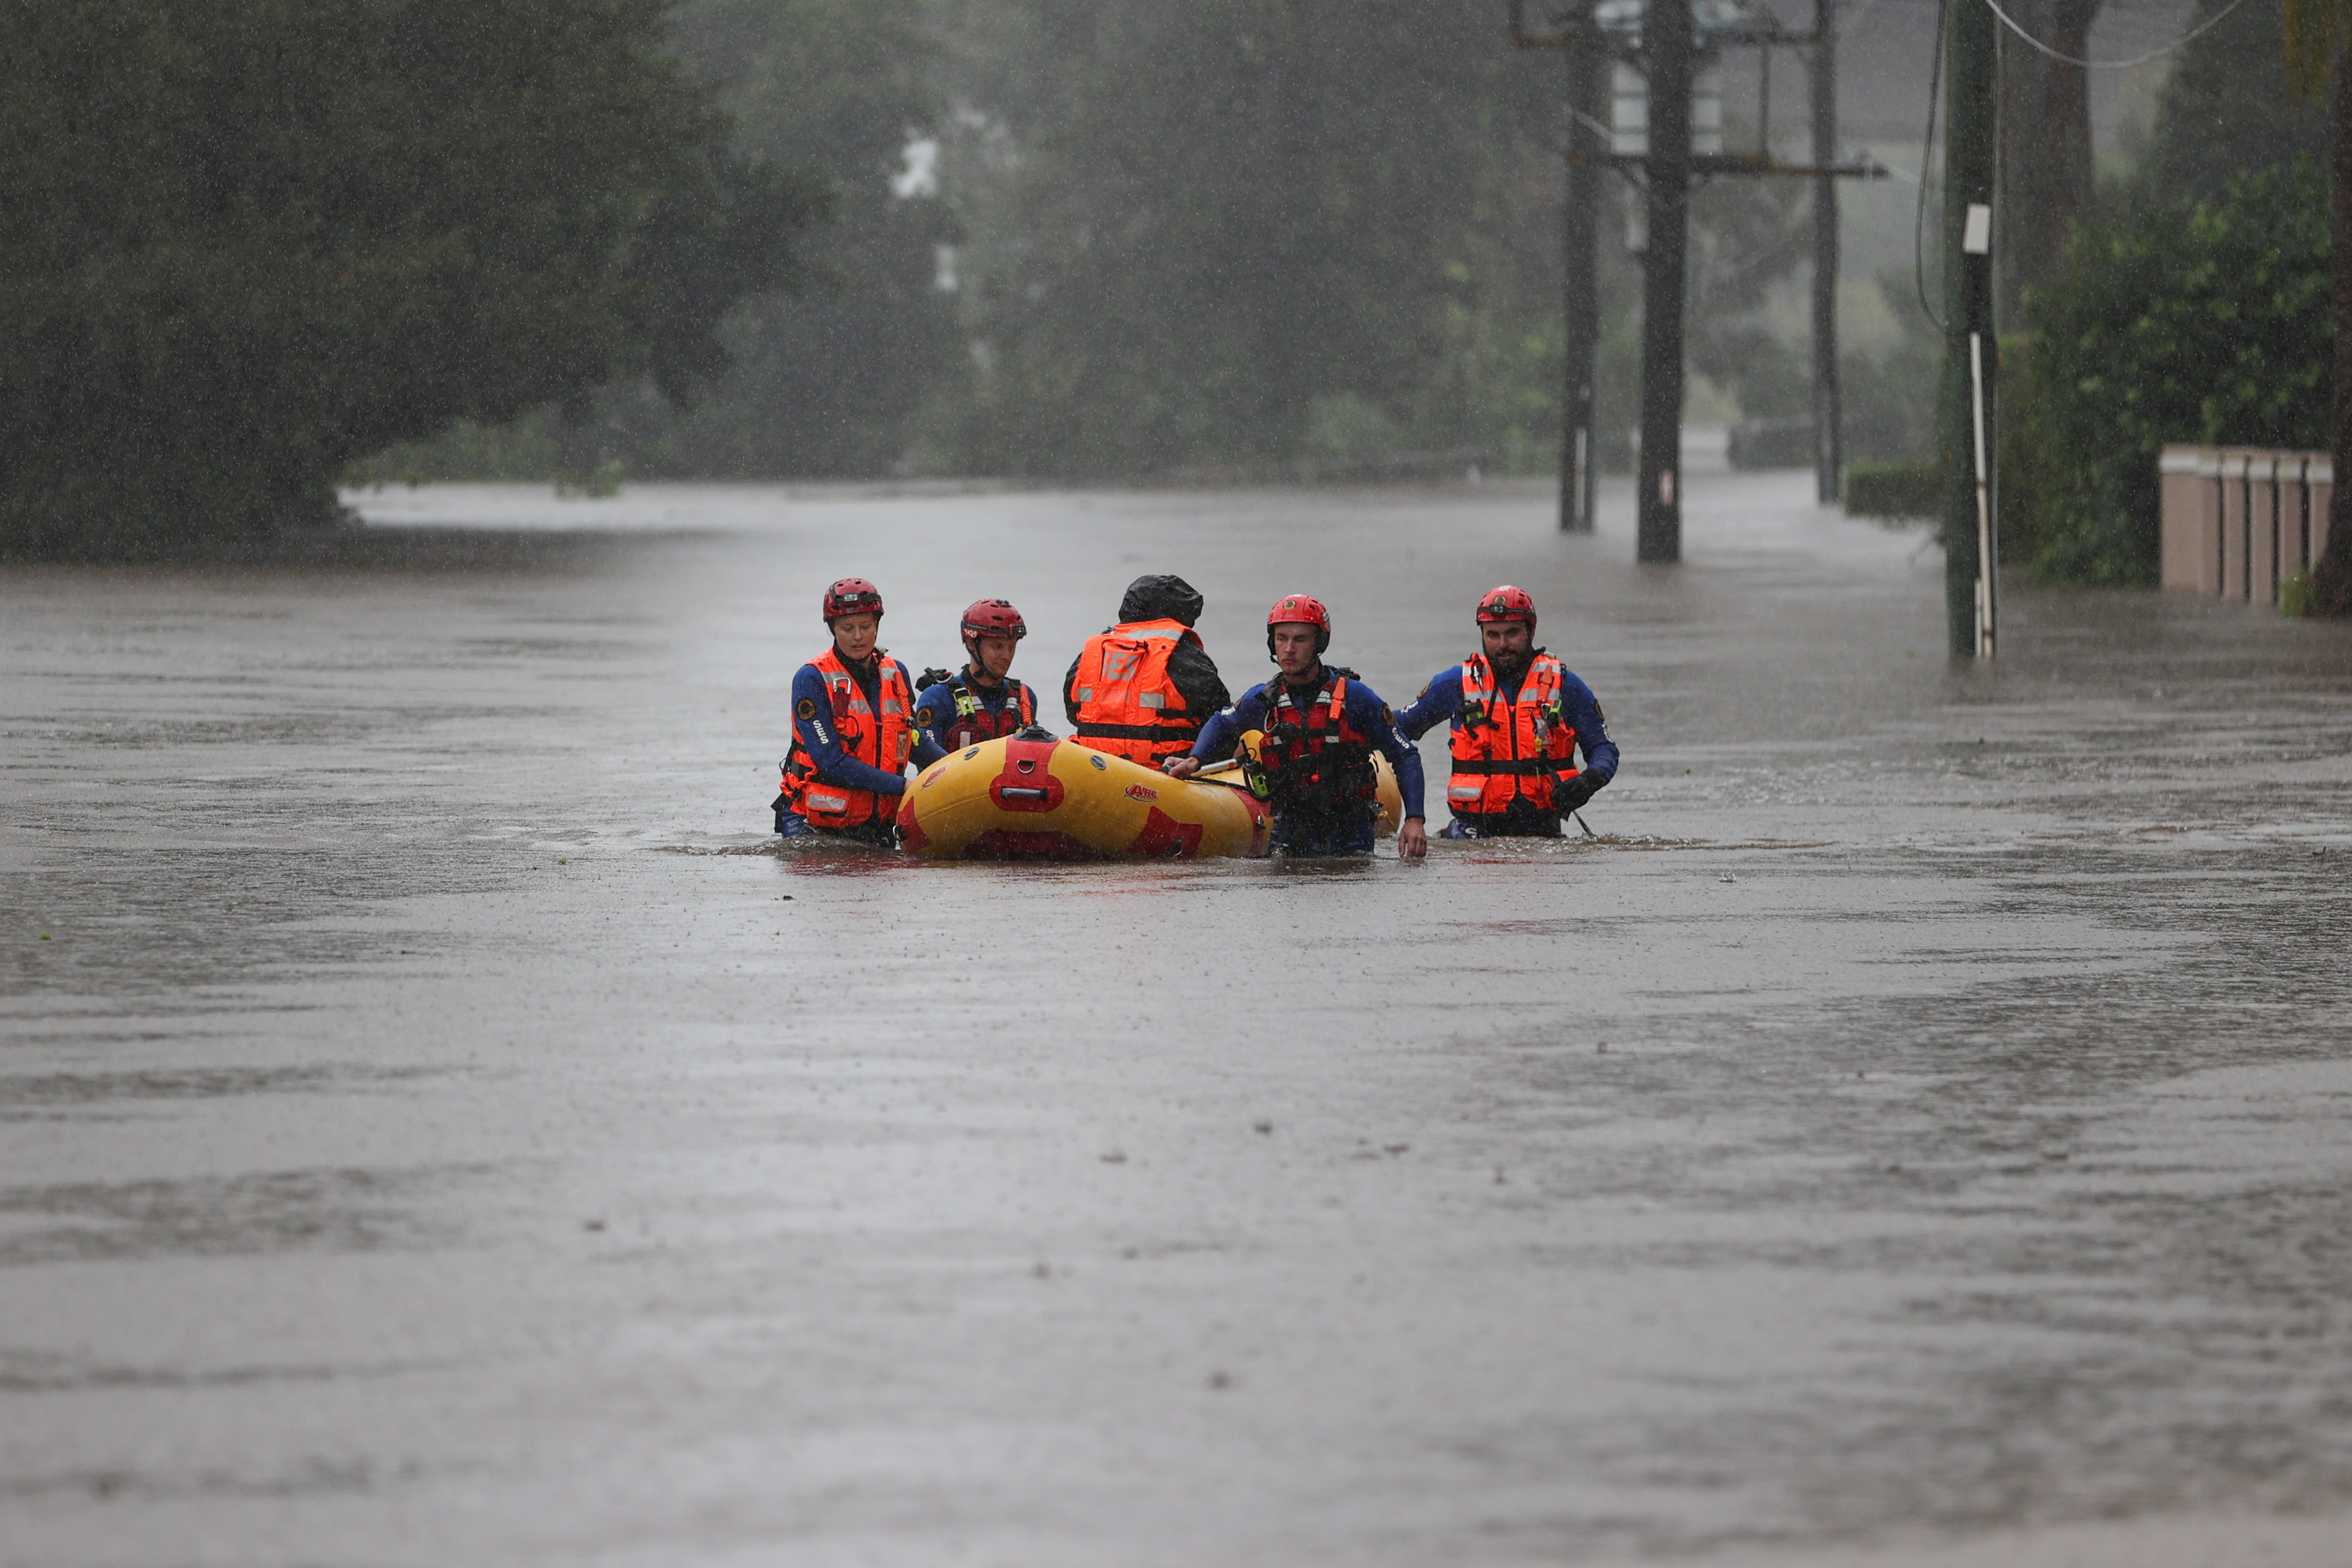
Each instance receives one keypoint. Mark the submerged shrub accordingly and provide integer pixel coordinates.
(2205, 322)
(1904, 488)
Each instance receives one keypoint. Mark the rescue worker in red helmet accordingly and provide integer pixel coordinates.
(1517, 719)
(1142, 688)
(981, 701)
(853, 729)
(1321, 725)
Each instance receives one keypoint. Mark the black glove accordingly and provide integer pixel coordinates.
(1569, 794)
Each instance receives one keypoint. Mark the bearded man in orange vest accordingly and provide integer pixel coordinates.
(853, 729)
(1142, 689)
(1519, 717)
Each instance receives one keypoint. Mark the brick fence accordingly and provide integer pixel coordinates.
(2239, 520)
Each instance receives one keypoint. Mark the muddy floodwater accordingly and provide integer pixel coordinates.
(438, 1129)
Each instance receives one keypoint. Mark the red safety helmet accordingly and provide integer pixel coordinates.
(852, 596)
(1506, 604)
(993, 618)
(1299, 609)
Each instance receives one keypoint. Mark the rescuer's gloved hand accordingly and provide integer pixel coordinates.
(1571, 794)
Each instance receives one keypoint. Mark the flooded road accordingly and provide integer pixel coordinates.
(439, 1129)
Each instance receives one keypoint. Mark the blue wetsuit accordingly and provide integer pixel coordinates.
(1367, 716)
(818, 738)
(1441, 702)
(935, 706)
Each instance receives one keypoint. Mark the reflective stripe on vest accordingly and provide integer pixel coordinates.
(1127, 704)
(973, 722)
(1505, 752)
(884, 743)
(1317, 762)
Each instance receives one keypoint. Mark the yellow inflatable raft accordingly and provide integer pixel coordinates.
(1056, 800)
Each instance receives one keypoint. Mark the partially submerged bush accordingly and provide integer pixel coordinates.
(2206, 323)
(247, 245)
(1905, 488)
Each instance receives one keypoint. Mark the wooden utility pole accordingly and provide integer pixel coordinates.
(1829, 455)
(1663, 47)
(1588, 151)
(1971, 558)
(1666, 40)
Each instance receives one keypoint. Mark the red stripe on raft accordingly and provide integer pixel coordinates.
(1165, 838)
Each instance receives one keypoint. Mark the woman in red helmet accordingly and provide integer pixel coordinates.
(1519, 717)
(853, 729)
(1321, 725)
(981, 701)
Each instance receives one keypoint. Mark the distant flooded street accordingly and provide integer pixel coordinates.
(440, 1129)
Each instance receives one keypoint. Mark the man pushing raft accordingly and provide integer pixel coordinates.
(1321, 725)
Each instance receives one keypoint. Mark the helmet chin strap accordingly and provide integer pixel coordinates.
(1310, 676)
(977, 667)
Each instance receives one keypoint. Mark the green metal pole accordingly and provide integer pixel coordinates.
(1969, 47)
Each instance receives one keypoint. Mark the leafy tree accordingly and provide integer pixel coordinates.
(1746, 237)
(1196, 226)
(833, 381)
(2225, 109)
(1890, 392)
(2046, 184)
(250, 240)
(2205, 322)
(2319, 59)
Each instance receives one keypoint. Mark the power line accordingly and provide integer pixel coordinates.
(2207, 25)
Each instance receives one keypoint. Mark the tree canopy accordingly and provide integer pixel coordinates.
(2226, 109)
(1197, 223)
(250, 241)
(2205, 322)
(1227, 235)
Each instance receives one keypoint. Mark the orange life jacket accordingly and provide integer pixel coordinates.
(884, 740)
(1511, 750)
(1127, 704)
